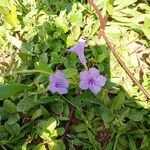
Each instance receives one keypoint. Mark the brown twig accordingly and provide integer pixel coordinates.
(68, 122)
(102, 33)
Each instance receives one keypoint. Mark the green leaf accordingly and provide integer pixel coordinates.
(60, 131)
(146, 27)
(102, 56)
(56, 145)
(80, 127)
(70, 72)
(91, 137)
(118, 101)
(132, 144)
(109, 8)
(10, 107)
(8, 90)
(75, 18)
(107, 116)
(60, 23)
(135, 115)
(76, 32)
(43, 67)
(12, 128)
(57, 107)
(4, 132)
(3, 3)
(36, 114)
(55, 58)
(10, 15)
(123, 4)
(25, 104)
(13, 119)
(50, 124)
(39, 147)
(94, 28)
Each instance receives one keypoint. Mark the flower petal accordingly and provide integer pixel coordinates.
(58, 83)
(73, 49)
(83, 75)
(79, 50)
(62, 91)
(52, 78)
(59, 74)
(93, 72)
(101, 80)
(52, 88)
(83, 85)
(95, 88)
(66, 83)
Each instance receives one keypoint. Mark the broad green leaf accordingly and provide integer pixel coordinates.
(90, 115)
(36, 114)
(12, 128)
(70, 72)
(60, 131)
(13, 119)
(10, 15)
(75, 18)
(102, 56)
(76, 32)
(146, 27)
(60, 23)
(70, 40)
(109, 8)
(82, 135)
(135, 115)
(10, 107)
(50, 124)
(57, 107)
(39, 147)
(91, 137)
(107, 116)
(25, 104)
(80, 127)
(3, 3)
(8, 90)
(56, 145)
(94, 28)
(132, 144)
(118, 101)
(43, 58)
(3, 113)
(111, 1)
(55, 58)
(4, 132)
(123, 4)
(43, 68)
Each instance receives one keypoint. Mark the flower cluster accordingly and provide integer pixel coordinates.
(89, 79)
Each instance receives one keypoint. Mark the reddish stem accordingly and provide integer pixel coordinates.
(102, 33)
(68, 123)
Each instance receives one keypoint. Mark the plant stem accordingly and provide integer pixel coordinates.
(102, 33)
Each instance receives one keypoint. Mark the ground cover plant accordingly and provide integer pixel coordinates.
(61, 87)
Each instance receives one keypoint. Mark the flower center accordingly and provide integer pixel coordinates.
(58, 85)
(91, 81)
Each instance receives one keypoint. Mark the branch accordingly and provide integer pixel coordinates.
(102, 33)
(68, 123)
(101, 19)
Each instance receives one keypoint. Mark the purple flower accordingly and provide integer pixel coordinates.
(92, 80)
(79, 50)
(58, 83)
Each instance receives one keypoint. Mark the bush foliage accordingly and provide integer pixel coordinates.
(34, 38)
